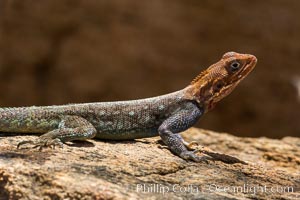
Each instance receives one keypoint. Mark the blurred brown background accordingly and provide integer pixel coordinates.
(71, 51)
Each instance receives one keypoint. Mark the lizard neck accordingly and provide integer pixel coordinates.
(193, 93)
(200, 90)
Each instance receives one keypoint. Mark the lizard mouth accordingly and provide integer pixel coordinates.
(249, 67)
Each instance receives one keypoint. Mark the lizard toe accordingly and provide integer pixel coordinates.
(189, 155)
(41, 143)
(24, 142)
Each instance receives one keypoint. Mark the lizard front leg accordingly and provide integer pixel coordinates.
(70, 128)
(179, 121)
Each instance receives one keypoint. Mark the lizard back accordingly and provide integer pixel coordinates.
(125, 119)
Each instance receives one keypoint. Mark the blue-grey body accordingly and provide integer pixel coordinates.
(113, 120)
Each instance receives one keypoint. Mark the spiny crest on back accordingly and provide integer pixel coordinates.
(208, 74)
(213, 72)
(200, 76)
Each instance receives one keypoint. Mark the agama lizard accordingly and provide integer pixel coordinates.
(165, 115)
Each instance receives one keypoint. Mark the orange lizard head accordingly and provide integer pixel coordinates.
(220, 79)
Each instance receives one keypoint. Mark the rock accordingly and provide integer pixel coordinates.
(146, 169)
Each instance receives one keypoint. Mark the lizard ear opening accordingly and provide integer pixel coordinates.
(218, 86)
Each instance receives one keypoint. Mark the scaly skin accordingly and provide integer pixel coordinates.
(165, 115)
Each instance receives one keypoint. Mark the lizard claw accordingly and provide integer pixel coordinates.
(189, 145)
(189, 155)
(39, 143)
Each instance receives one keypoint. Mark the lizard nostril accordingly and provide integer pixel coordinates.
(252, 59)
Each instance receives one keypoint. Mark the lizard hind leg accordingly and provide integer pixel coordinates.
(71, 127)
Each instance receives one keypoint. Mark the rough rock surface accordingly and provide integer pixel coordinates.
(72, 51)
(145, 169)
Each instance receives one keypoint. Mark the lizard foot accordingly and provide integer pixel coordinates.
(190, 155)
(42, 143)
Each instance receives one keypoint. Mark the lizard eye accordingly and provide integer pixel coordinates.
(234, 66)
